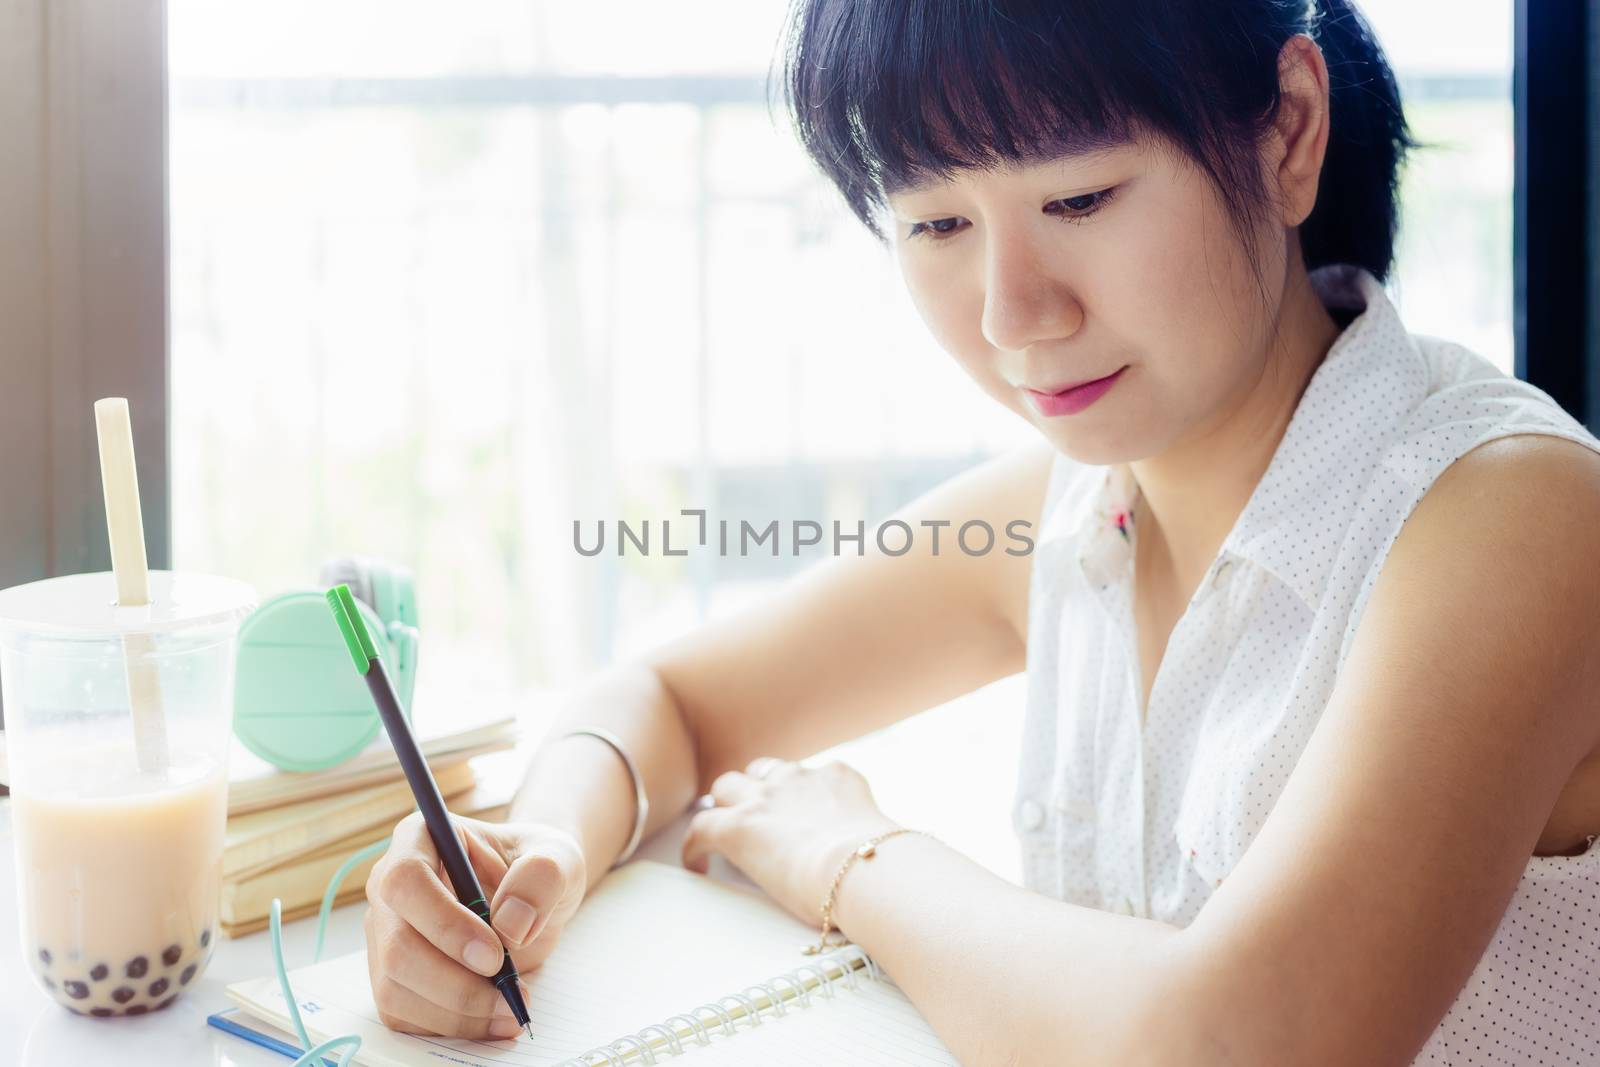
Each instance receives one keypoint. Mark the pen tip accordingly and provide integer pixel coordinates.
(528, 1026)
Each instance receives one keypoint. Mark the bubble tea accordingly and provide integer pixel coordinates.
(118, 823)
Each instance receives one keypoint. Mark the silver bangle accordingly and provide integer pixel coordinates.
(642, 801)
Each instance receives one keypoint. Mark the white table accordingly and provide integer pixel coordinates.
(37, 1032)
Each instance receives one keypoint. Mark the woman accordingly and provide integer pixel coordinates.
(1311, 770)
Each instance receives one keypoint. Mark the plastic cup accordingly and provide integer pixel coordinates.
(119, 858)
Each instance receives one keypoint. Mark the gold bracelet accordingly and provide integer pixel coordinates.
(865, 851)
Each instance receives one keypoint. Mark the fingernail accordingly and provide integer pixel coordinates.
(483, 957)
(514, 919)
(504, 1027)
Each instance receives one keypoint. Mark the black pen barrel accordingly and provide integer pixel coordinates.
(462, 878)
(451, 853)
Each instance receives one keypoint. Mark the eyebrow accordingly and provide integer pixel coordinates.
(1082, 154)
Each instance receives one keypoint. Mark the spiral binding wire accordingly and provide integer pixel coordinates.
(700, 1030)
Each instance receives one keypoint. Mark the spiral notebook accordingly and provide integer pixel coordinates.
(662, 959)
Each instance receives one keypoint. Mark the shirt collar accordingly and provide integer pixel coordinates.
(1299, 511)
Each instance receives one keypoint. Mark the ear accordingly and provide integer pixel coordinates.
(1299, 137)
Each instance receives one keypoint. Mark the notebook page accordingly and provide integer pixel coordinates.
(652, 940)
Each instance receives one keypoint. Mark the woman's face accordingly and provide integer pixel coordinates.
(1050, 274)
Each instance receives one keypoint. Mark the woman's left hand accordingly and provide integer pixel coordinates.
(787, 827)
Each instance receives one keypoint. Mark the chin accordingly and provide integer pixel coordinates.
(1083, 445)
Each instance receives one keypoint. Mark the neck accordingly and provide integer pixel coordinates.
(1192, 494)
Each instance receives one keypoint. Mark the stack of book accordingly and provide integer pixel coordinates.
(289, 832)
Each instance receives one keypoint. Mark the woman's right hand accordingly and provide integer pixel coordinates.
(428, 956)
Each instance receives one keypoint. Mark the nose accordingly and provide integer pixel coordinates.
(1022, 303)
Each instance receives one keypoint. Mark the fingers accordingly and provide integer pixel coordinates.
(428, 955)
(734, 787)
(487, 863)
(758, 767)
(403, 1009)
(402, 959)
(707, 833)
(709, 828)
(406, 882)
(541, 887)
(533, 888)
(538, 950)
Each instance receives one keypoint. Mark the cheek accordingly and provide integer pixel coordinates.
(952, 309)
(1203, 265)
(944, 300)
(1188, 296)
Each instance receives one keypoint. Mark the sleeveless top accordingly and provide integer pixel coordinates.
(1148, 820)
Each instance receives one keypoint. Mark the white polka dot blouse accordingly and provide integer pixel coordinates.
(1145, 810)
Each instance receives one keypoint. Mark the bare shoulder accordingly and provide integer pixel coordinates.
(1452, 738)
(1533, 493)
(1526, 508)
(1540, 456)
(1519, 519)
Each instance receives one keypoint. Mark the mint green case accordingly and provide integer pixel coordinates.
(297, 703)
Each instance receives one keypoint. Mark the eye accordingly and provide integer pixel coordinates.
(1074, 209)
(937, 230)
(1078, 208)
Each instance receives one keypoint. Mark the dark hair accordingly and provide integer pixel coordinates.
(888, 93)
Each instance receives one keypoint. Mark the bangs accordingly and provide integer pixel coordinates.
(887, 97)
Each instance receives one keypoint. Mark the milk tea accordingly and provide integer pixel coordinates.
(118, 888)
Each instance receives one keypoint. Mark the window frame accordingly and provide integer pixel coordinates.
(83, 274)
(1556, 204)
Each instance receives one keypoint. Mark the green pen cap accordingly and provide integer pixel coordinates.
(356, 637)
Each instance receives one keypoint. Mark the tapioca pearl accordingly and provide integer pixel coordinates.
(75, 990)
(137, 967)
(122, 995)
(49, 983)
(45, 957)
(138, 1009)
(99, 973)
(158, 987)
(171, 954)
(164, 1003)
(205, 937)
(101, 1013)
(188, 973)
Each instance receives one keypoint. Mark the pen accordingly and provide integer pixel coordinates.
(423, 787)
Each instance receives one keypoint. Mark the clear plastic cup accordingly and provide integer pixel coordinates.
(118, 831)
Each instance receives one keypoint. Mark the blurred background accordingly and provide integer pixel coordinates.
(443, 278)
(446, 277)
(473, 271)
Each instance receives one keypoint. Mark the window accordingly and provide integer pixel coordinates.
(1452, 274)
(445, 277)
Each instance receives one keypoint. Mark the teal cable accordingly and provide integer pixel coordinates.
(333, 890)
(353, 1040)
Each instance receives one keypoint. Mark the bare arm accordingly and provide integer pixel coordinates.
(850, 645)
(844, 648)
(1379, 879)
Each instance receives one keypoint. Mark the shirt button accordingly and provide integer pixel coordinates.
(1220, 579)
(1032, 815)
(1125, 906)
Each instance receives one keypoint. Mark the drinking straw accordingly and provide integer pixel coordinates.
(125, 528)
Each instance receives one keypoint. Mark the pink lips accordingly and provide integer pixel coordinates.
(1072, 401)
